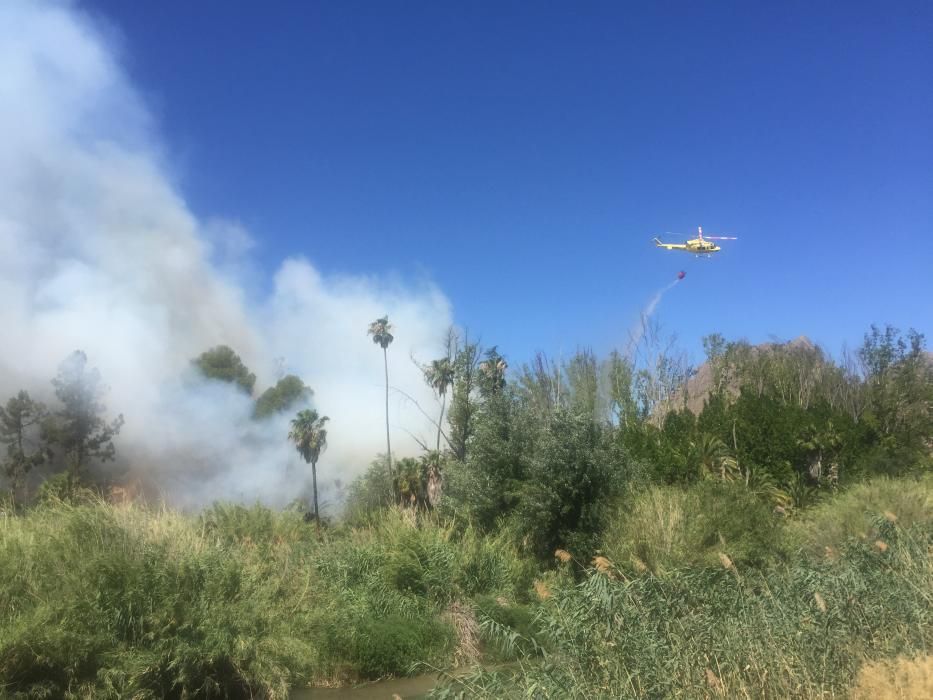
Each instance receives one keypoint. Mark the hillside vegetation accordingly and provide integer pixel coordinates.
(570, 533)
(105, 601)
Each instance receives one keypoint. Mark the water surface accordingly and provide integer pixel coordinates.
(405, 688)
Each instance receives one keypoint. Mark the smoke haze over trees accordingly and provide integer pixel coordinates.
(99, 253)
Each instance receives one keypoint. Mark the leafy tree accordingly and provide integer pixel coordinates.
(571, 479)
(463, 405)
(582, 372)
(717, 418)
(310, 438)
(676, 460)
(621, 379)
(661, 372)
(899, 378)
(381, 331)
(714, 345)
(487, 487)
(439, 375)
(287, 393)
(19, 419)
(223, 364)
(541, 386)
(370, 492)
(668, 453)
(766, 431)
(492, 371)
(79, 428)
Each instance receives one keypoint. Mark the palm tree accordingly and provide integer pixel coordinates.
(440, 375)
(310, 438)
(493, 372)
(714, 458)
(408, 484)
(819, 444)
(381, 331)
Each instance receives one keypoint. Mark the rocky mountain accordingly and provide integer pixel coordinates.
(707, 378)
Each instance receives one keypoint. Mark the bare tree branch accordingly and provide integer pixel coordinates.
(424, 413)
(417, 439)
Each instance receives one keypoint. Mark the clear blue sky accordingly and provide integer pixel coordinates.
(522, 155)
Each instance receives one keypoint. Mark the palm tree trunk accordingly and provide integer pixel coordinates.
(317, 516)
(440, 422)
(385, 358)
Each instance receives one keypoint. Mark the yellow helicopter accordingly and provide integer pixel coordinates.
(699, 245)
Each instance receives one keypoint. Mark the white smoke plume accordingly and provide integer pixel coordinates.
(656, 299)
(99, 252)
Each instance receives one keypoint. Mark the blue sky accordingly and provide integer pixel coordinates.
(522, 155)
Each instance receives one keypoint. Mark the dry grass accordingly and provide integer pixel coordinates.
(463, 620)
(713, 681)
(602, 565)
(900, 679)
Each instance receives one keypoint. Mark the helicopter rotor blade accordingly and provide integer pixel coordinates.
(722, 238)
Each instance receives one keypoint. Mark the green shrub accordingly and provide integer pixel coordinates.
(665, 528)
(509, 630)
(390, 645)
(133, 603)
(728, 518)
(233, 523)
(409, 569)
(492, 564)
(61, 488)
(571, 482)
(853, 513)
(369, 494)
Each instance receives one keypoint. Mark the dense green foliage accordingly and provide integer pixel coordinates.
(223, 364)
(98, 601)
(20, 421)
(103, 603)
(630, 527)
(288, 393)
(800, 631)
(78, 428)
(666, 528)
(854, 514)
(369, 494)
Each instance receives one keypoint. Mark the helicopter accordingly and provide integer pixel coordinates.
(698, 245)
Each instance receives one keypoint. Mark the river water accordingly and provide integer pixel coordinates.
(406, 688)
